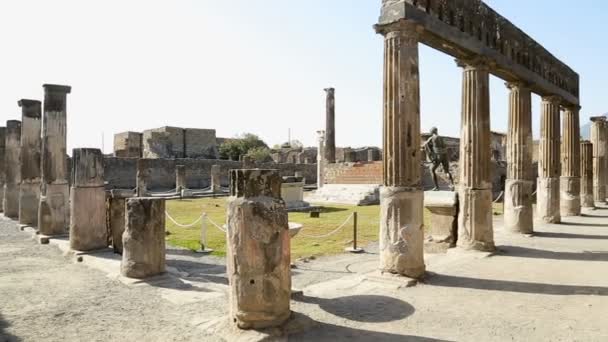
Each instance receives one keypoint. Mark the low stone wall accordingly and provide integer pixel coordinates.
(120, 173)
(354, 173)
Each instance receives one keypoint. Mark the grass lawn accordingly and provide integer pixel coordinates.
(187, 211)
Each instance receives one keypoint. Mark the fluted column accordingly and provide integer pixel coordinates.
(13, 169)
(401, 197)
(31, 145)
(330, 126)
(570, 180)
(321, 159)
(518, 187)
(587, 174)
(475, 189)
(549, 168)
(598, 139)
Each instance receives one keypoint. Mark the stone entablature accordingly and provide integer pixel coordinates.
(467, 29)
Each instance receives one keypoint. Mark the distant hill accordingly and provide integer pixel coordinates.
(586, 129)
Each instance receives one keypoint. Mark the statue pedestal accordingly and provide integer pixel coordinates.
(443, 230)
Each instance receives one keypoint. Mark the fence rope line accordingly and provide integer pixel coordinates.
(214, 224)
(174, 190)
(183, 225)
(330, 233)
(499, 197)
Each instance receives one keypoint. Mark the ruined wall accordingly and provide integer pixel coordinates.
(200, 143)
(128, 145)
(163, 142)
(120, 173)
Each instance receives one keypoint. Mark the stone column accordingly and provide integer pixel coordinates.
(401, 197)
(13, 170)
(180, 177)
(330, 126)
(87, 201)
(216, 174)
(31, 150)
(141, 184)
(475, 188)
(547, 195)
(320, 159)
(2, 166)
(53, 210)
(587, 175)
(518, 187)
(144, 238)
(598, 139)
(570, 180)
(258, 250)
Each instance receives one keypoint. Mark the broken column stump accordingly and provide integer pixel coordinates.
(443, 230)
(31, 144)
(116, 217)
(258, 250)
(180, 178)
(216, 184)
(12, 169)
(87, 201)
(144, 238)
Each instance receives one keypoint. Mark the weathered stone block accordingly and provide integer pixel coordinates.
(401, 231)
(11, 200)
(518, 206)
(258, 250)
(117, 222)
(475, 230)
(570, 200)
(547, 200)
(144, 238)
(443, 206)
(88, 219)
(53, 210)
(29, 199)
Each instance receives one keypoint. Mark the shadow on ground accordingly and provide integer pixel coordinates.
(523, 252)
(5, 336)
(570, 236)
(513, 286)
(363, 308)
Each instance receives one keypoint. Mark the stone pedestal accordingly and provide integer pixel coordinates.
(549, 168)
(180, 178)
(330, 126)
(144, 238)
(518, 186)
(88, 229)
(587, 175)
(475, 229)
(258, 250)
(570, 183)
(216, 184)
(12, 168)
(31, 145)
(443, 229)
(598, 139)
(53, 211)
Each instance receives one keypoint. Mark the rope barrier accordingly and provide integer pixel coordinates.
(330, 233)
(183, 225)
(214, 224)
(174, 190)
(499, 197)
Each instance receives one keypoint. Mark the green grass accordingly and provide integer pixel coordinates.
(187, 211)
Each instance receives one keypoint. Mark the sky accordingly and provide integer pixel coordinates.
(257, 66)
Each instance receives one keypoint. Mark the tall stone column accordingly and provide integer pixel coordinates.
(141, 183)
(180, 177)
(320, 159)
(330, 126)
(475, 229)
(216, 173)
(87, 201)
(53, 210)
(12, 168)
(31, 150)
(258, 250)
(549, 169)
(2, 166)
(598, 139)
(401, 197)
(570, 180)
(587, 175)
(518, 187)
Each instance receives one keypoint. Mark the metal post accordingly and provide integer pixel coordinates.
(354, 248)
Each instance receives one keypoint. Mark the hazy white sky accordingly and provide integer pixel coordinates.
(255, 66)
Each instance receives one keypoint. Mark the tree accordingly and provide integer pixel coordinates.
(259, 154)
(235, 148)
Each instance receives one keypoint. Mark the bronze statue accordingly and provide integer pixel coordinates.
(438, 155)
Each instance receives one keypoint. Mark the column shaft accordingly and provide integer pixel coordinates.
(475, 188)
(2, 166)
(330, 126)
(598, 139)
(180, 177)
(401, 198)
(587, 174)
(321, 160)
(570, 180)
(518, 187)
(13, 169)
(549, 169)
(31, 145)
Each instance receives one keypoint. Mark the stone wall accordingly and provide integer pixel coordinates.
(128, 145)
(163, 142)
(200, 143)
(120, 173)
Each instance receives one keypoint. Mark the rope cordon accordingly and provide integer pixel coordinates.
(330, 233)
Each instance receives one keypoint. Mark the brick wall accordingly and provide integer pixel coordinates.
(354, 173)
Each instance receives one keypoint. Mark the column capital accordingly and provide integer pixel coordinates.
(30, 108)
(321, 135)
(475, 63)
(554, 99)
(512, 85)
(571, 107)
(403, 28)
(28, 103)
(56, 88)
(330, 90)
(13, 124)
(598, 118)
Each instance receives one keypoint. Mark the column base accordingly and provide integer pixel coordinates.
(570, 198)
(587, 201)
(53, 210)
(88, 230)
(599, 194)
(475, 230)
(518, 206)
(547, 200)
(11, 201)
(29, 199)
(401, 231)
